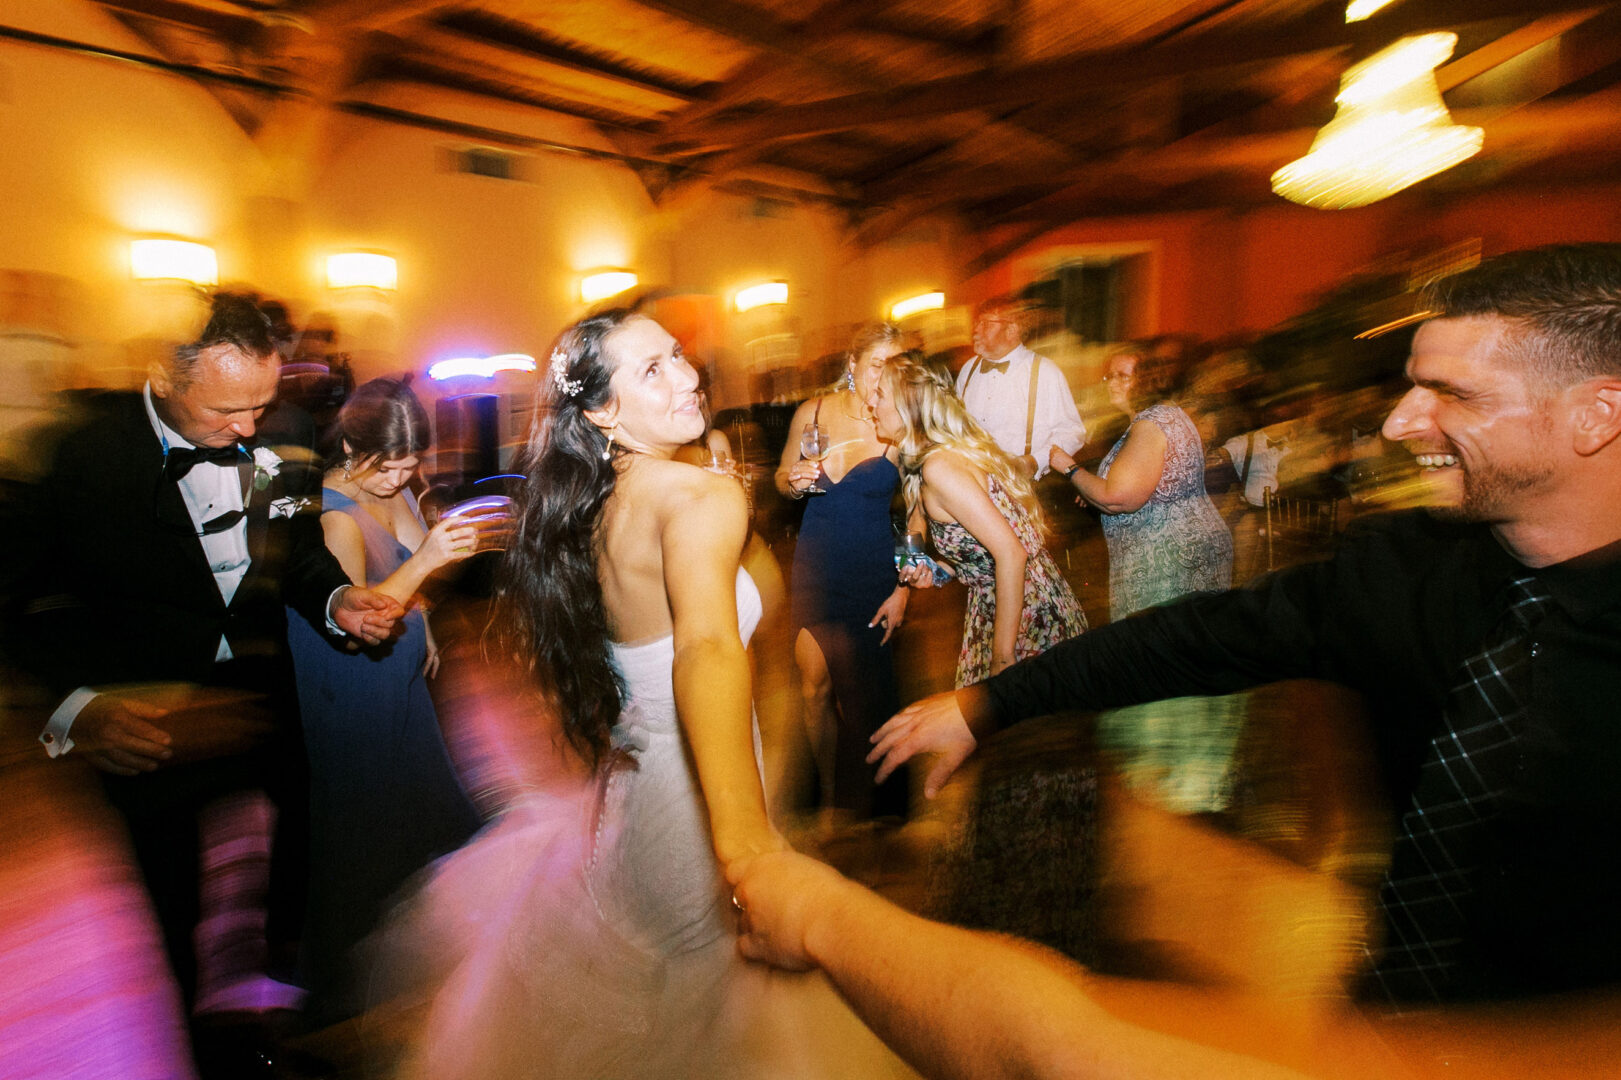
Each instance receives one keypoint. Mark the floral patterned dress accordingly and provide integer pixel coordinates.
(1176, 542)
(1051, 613)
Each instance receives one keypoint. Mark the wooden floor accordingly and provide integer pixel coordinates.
(1269, 896)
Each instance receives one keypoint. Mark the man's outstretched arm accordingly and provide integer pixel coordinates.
(954, 1002)
(961, 1003)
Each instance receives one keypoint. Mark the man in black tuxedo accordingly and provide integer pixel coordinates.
(145, 576)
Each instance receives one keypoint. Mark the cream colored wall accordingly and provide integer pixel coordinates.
(99, 151)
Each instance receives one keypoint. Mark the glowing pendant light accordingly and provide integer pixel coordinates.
(1390, 131)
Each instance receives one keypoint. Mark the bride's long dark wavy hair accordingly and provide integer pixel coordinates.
(548, 614)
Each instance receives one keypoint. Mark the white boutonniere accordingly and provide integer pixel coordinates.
(287, 506)
(265, 466)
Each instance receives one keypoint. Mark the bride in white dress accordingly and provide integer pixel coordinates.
(593, 936)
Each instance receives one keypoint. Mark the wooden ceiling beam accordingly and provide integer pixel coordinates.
(365, 14)
(811, 43)
(439, 71)
(741, 22)
(486, 31)
(1010, 88)
(982, 41)
(239, 28)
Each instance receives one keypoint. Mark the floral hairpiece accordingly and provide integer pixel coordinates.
(559, 366)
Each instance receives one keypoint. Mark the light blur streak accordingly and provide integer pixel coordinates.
(482, 366)
(85, 989)
(1391, 130)
(1395, 68)
(1357, 10)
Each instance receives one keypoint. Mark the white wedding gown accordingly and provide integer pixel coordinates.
(591, 937)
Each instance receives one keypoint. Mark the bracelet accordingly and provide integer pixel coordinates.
(1072, 470)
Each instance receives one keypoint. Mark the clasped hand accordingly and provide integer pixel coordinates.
(367, 615)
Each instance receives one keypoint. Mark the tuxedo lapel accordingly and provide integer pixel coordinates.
(257, 505)
(168, 508)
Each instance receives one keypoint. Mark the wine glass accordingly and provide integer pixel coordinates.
(917, 548)
(813, 446)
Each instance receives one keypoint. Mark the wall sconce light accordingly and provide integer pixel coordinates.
(1390, 130)
(485, 367)
(771, 292)
(362, 270)
(176, 260)
(601, 284)
(929, 301)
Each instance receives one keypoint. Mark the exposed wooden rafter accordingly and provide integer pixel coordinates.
(889, 109)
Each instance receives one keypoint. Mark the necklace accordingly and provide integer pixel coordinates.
(860, 415)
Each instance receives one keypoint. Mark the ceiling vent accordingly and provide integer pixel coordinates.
(485, 161)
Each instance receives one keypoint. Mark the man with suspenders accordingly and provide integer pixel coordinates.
(1019, 398)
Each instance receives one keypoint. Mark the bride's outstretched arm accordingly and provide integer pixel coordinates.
(702, 539)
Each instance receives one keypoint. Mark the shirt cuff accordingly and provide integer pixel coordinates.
(332, 626)
(55, 736)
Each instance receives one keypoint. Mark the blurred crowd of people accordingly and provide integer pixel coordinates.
(217, 595)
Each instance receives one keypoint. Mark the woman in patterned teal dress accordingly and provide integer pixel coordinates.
(982, 518)
(1166, 539)
(1165, 536)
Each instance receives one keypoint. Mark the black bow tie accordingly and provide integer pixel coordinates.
(223, 522)
(990, 367)
(180, 459)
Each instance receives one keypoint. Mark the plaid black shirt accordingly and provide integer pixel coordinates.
(1405, 600)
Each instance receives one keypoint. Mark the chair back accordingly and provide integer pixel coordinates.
(1298, 529)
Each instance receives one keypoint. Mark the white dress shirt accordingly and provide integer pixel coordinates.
(1000, 401)
(1271, 447)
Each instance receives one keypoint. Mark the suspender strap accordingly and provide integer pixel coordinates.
(1030, 411)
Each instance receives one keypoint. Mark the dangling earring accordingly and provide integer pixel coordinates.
(607, 451)
(849, 380)
(349, 467)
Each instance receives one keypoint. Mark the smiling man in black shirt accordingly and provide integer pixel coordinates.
(1486, 637)
(1484, 633)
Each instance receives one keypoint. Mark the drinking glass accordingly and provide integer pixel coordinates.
(813, 446)
(491, 515)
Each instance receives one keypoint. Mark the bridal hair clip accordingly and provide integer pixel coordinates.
(559, 366)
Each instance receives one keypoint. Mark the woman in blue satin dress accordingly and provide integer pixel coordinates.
(845, 598)
(384, 798)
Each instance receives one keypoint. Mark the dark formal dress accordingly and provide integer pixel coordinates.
(384, 798)
(844, 568)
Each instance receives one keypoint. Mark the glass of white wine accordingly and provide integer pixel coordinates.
(813, 446)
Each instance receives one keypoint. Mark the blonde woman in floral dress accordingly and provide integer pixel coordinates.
(982, 519)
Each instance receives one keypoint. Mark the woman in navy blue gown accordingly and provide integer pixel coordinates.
(845, 599)
(385, 800)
